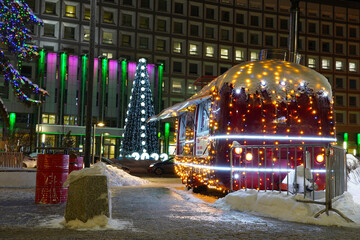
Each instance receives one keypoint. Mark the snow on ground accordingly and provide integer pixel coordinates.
(97, 223)
(116, 177)
(285, 207)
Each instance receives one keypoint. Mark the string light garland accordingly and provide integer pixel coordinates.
(16, 16)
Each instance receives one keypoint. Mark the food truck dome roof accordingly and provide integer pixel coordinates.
(279, 78)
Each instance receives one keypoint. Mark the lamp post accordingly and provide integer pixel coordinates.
(100, 124)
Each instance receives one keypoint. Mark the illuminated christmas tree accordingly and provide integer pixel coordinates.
(15, 18)
(139, 136)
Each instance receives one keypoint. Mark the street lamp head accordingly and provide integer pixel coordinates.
(101, 124)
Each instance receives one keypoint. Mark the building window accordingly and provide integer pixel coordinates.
(145, 4)
(87, 14)
(50, 8)
(178, 27)
(352, 50)
(339, 48)
(108, 17)
(254, 38)
(224, 53)
(339, 31)
(311, 62)
(353, 84)
(177, 67)
(70, 11)
(86, 35)
(339, 100)
(269, 22)
(144, 43)
(223, 69)
(177, 86)
(312, 45)
(193, 49)
(177, 47)
(269, 40)
(352, 32)
(326, 47)
(194, 30)
(209, 70)
(127, 2)
(127, 20)
(339, 83)
(194, 11)
(160, 45)
(352, 67)
(339, 117)
(312, 28)
(284, 24)
(283, 41)
(162, 5)
(144, 22)
(352, 101)
(191, 88)
(325, 29)
(339, 65)
(209, 32)
(178, 8)
(209, 51)
(193, 68)
(353, 118)
(254, 21)
(210, 13)
(325, 63)
(161, 25)
(48, 118)
(225, 35)
(108, 37)
(240, 18)
(49, 30)
(239, 55)
(225, 16)
(69, 33)
(254, 56)
(239, 37)
(126, 40)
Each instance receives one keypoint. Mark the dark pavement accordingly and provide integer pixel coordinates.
(154, 212)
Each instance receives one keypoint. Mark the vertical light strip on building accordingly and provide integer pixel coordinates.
(346, 139)
(358, 143)
(123, 87)
(160, 81)
(166, 138)
(84, 73)
(104, 73)
(63, 62)
(12, 119)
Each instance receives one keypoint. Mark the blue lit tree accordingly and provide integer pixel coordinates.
(139, 136)
(15, 18)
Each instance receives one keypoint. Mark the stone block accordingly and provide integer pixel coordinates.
(88, 197)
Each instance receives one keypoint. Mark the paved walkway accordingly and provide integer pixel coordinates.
(154, 212)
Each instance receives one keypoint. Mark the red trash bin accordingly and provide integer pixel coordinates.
(52, 171)
(76, 163)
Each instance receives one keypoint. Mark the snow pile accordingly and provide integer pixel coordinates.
(116, 177)
(352, 162)
(97, 223)
(285, 207)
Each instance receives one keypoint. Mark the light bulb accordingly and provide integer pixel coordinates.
(142, 104)
(143, 75)
(143, 119)
(142, 89)
(142, 96)
(142, 127)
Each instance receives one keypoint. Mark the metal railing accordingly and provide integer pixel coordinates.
(11, 159)
(318, 171)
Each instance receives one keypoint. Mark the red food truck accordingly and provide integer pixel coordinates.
(261, 125)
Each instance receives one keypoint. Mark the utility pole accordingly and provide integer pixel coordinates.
(90, 84)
